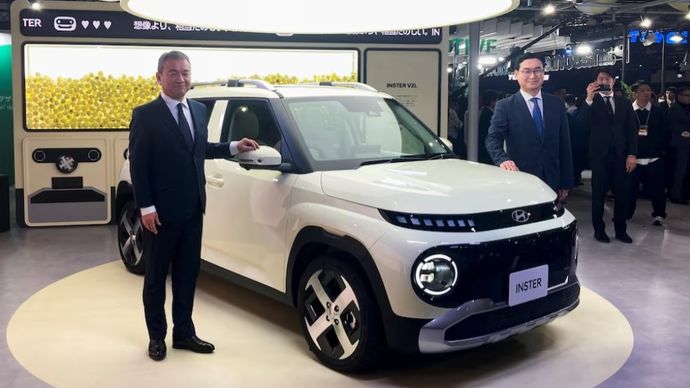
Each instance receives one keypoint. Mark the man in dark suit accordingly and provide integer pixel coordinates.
(488, 100)
(534, 127)
(679, 118)
(167, 147)
(612, 152)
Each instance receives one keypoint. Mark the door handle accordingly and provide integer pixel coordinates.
(215, 180)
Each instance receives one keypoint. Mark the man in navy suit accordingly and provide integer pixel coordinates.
(534, 127)
(612, 152)
(167, 147)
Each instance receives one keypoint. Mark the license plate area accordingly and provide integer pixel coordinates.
(527, 285)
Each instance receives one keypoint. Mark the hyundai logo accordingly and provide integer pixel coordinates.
(520, 215)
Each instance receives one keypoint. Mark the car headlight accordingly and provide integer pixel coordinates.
(436, 274)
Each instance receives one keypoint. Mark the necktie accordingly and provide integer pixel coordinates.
(536, 115)
(609, 108)
(184, 125)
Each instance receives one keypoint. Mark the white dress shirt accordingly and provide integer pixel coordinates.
(530, 105)
(603, 94)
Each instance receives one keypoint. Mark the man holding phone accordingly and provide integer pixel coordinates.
(612, 152)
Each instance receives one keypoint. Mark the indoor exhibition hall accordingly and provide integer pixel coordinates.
(378, 193)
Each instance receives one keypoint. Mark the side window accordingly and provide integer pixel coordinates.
(252, 119)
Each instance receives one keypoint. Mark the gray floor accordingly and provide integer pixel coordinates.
(649, 281)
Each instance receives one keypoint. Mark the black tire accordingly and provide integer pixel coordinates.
(130, 239)
(335, 315)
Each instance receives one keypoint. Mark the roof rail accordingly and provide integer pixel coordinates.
(354, 85)
(261, 84)
(238, 83)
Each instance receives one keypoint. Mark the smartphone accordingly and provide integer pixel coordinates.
(604, 88)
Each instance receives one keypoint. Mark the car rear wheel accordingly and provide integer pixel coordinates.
(338, 315)
(130, 239)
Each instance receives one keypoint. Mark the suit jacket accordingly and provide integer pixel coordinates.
(679, 118)
(606, 131)
(166, 171)
(548, 156)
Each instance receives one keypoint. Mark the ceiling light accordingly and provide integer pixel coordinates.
(583, 49)
(487, 60)
(308, 17)
(35, 4)
(646, 23)
(675, 37)
(687, 15)
(549, 9)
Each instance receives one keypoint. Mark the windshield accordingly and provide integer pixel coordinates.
(344, 132)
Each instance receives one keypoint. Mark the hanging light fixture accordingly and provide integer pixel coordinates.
(316, 16)
(676, 37)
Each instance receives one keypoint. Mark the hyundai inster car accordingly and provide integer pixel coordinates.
(358, 215)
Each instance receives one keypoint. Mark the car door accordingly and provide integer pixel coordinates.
(246, 212)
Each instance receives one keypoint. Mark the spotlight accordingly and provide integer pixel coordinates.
(687, 15)
(675, 37)
(583, 49)
(549, 9)
(35, 4)
(568, 50)
(646, 23)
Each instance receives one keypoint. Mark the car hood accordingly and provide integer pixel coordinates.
(447, 186)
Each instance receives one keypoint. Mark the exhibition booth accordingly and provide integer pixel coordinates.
(354, 234)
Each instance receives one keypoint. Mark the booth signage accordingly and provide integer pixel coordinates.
(106, 24)
(564, 62)
(485, 46)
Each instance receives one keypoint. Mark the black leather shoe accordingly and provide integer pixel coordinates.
(601, 237)
(157, 349)
(624, 237)
(194, 344)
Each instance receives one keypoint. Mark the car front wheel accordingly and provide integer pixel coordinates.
(338, 315)
(130, 239)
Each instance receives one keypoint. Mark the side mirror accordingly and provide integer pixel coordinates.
(265, 157)
(447, 143)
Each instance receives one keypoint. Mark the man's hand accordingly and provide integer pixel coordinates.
(562, 194)
(509, 165)
(630, 163)
(591, 90)
(150, 221)
(246, 144)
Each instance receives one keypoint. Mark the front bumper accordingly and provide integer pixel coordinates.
(479, 322)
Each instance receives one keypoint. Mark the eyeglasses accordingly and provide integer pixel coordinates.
(528, 72)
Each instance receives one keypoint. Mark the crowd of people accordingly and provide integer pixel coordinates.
(635, 143)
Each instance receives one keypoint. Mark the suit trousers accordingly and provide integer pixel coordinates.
(652, 176)
(608, 173)
(177, 244)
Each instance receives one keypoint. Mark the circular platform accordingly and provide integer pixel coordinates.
(88, 330)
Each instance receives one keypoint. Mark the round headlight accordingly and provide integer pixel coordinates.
(436, 275)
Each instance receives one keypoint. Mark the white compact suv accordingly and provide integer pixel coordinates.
(357, 214)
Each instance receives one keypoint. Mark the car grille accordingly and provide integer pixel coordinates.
(497, 320)
(477, 222)
(484, 269)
